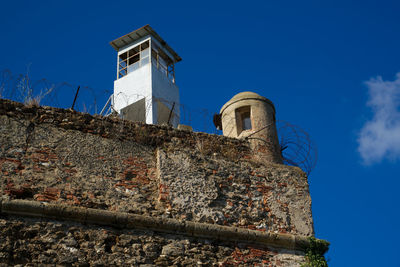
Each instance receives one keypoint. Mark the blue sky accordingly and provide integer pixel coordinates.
(330, 67)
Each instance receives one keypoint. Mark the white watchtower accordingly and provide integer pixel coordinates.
(145, 88)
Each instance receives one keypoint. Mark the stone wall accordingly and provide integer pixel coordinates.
(61, 156)
(41, 242)
(260, 197)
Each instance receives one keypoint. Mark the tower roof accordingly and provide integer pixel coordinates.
(131, 37)
(245, 96)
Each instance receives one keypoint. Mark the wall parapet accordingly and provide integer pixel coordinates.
(117, 128)
(124, 220)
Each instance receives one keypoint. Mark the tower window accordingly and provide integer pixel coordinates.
(246, 122)
(162, 61)
(133, 59)
(243, 119)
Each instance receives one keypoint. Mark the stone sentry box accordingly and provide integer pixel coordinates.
(249, 115)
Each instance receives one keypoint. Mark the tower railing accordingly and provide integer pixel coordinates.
(108, 107)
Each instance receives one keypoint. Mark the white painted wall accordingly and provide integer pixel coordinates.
(165, 89)
(133, 87)
(146, 82)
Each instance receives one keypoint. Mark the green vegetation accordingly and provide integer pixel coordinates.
(315, 253)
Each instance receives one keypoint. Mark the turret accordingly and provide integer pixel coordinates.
(249, 115)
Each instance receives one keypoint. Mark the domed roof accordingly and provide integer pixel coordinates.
(245, 96)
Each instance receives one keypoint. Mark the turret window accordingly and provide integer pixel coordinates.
(243, 119)
(246, 122)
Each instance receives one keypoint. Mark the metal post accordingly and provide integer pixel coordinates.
(170, 114)
(76, 95)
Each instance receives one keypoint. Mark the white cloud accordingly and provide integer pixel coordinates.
(379, 138)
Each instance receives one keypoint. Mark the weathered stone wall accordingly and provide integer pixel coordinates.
(57, 155)
(69, 166)
(269, 197)
(106, 164)
(60, 156)
(40, 242)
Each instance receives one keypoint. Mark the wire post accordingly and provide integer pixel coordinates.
(76, 96)
(170, 113)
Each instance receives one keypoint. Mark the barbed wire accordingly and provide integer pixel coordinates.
(296, 145)
(21, 88)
